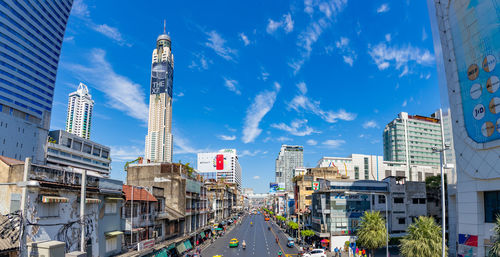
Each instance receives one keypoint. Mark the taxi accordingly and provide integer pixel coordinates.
(234, 242)
(266, 218)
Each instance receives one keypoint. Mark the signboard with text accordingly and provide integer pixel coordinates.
(161, 78)
(315, 185)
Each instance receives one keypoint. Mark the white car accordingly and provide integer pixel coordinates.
(316, 253)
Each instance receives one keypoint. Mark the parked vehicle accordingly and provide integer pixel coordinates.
(316, 253)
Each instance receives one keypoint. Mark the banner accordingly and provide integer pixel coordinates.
(161, 78)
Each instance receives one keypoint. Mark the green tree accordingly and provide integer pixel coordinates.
(372, 231)
(293, 225)
(307, 233)
(495, 249)
(423, 239)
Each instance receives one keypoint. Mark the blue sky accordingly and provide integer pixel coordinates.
(327, 75)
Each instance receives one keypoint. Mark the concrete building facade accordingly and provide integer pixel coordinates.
(79, 117)
(30, 48)
(68, 150)
(223, 164)
(373, 167)
(289, 158)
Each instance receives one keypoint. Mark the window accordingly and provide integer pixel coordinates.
(15, 202)
(47, 210)
(491, 206)
(401, 221)
(77, 145)
(110, 207)
(111, 244)
(421, 201)
(415, 200)
(381, 199)
(356, 172)
(309, 188)
(399, 200)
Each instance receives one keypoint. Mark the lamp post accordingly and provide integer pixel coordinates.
(443, 165)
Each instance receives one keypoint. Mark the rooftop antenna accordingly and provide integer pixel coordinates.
(164, 26)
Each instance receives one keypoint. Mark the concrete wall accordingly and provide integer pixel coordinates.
(9, 174)
(109, 222)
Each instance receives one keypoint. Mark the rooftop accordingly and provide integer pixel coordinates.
(139, 194)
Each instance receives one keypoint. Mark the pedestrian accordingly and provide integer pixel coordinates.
(336, 251)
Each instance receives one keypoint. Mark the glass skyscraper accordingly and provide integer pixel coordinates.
(31, 36)
(289, 158)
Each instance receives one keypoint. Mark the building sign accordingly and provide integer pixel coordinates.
(467, 245)
(315, 185)
(281, 187)
(476, 42)
(145, 244)
(273, 187)
(219, 162)
(161, 78)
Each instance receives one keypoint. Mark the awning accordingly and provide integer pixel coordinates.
(54, 199)
(202, 234)
(188, 244)
(92, 200)
(113, 233)
(181, 248)
(114, 199)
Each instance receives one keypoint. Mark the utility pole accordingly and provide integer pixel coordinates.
(82, 210)
(132, 217)
(22, 240)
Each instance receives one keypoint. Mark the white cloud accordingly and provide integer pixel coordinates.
(122, 93)
(302, 103)
(283, 139)
(404, 72)
(110, 32)
(80, 9)
(180, 94)
(183, 145)
(229, 128)
(308, 7)
(260, 106)
(388, 37)
(69, 39)
(227, 138)
(383, 8)
(370, 124)
(400, 56)
(126, 153)
(424, 34)
(428, 76)
(200, 62)
(217, 43)
(349, 55)
(404, 103)
(256, 177)
(244, 38)
(296, 128)
(286, 23)
(312, 142)
(333, 143)
(302, 87)
(231, 85)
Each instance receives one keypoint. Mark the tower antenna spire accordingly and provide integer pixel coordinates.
(164, 26)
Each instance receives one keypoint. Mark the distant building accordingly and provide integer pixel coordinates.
(373, 167)
(68, 150)
(247, 191)
(289, 158)
(223, 164)
(159, 140)
(410, 139)
(80, 106)
(30, 46)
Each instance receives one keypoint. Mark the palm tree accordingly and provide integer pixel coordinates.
(372, 232)
(423, 239)
(495, 249)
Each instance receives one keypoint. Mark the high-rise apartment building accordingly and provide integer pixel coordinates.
(31, 37)
(221, 165)
(80, 105)
(289, 158)
(410, 139)
(159, 140)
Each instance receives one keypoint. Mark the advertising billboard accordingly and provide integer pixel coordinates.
(281, 187)
(161, 78)
(214, 162)
(273, 188)
(476, 43)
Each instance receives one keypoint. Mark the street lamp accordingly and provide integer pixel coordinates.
(443, 165)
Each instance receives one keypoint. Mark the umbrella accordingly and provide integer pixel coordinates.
(325, 241)
(217, 229)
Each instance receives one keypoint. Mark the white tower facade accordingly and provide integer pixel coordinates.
(80, 105)
(159, 140)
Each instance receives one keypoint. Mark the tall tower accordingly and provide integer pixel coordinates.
(80, 105)
(30, 45)
(159, 141)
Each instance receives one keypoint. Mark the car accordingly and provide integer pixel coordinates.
(316, 253)
(234, 242)
(290, 242)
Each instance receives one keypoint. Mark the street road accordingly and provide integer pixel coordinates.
(259, 240)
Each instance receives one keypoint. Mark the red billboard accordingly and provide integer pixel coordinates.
(219, 162)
